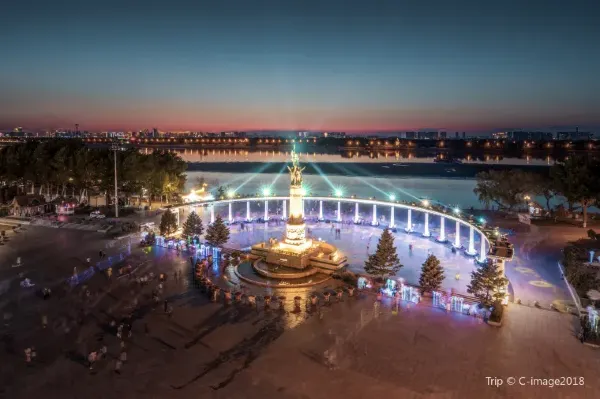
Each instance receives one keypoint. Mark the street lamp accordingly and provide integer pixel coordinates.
(456, 211)
(392, 197)
(425, 203)
(230, 194)
(338, 192)
(266, 191)
(115, 147)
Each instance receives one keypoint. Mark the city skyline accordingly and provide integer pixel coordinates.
(327, 66)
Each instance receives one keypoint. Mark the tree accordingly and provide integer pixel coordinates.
(384, 262)
(487, 284)
(545, 187)
(217, 233)
(577, 179)
(168, 223)
(192, 226)
(220, 192)
(506, 188)
(432, 275)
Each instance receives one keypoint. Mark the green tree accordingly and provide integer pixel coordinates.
(506, 188)
(578, 180)
(220, 192)
(432, 275)
(544, 186)
(487, 284)
(168, 223)
(192, 226)
(217, 233)
(384, 262)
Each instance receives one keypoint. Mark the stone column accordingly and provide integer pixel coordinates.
(230, 212)
(471, 250)
(320, 210)
(356, 212)
(374, 221)
(409, 221)
(266, 210)
(426, 232)
(392, 222)
(482, 251)
(248, 211)
(457, 236)
(212, 213)
(284, 209)
(339, 211)
(442, 237)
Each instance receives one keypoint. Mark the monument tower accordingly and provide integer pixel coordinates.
(295, 229)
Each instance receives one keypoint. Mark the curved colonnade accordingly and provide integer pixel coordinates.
(389, 205)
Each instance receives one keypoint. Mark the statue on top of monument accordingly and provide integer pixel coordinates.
(295, 170)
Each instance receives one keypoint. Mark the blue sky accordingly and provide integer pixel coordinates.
(325, 65)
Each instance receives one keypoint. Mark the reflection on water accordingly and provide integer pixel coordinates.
(242, 155)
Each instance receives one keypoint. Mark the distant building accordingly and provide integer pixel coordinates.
(521, 136)
(500, 135)
(576, 135)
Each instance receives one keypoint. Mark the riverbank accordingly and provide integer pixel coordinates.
(448, 170)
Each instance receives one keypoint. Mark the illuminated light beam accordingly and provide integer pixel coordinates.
(324, 176)
(252, 176)
(348, 172)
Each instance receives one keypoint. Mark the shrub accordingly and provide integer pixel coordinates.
(497, 312)
(349, 278)
(592, 234)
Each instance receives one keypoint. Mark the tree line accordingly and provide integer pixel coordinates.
(576, 180)
(68, 168)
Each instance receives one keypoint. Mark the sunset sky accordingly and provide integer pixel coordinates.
(474, 66)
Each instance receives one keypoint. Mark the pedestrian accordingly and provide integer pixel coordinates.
(100, 254)
(109, 273)
(166, 305)
(28, 356)
(92, 359)
(123, 357)
(103, 351)
(44, 321)
(118, 365)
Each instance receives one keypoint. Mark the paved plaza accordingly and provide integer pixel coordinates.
(347, 349)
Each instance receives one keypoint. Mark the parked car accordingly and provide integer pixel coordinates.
(97, 215)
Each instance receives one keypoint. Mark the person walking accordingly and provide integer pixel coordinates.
(44, 321)
(166, 306)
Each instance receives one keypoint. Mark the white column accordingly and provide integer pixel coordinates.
(356, 212)
(471, 250)
(482, 252)
(266, 210)
(284, 209)
(230, 212)
(303, 201)
(339, 212)
(374, 222)
(426, 232)
(457, 236)
(392, 222)
(409, 221)
(212, 213)
(248, 210)
(442, 237)
(320, 210)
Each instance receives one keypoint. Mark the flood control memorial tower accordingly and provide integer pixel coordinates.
(296, 252)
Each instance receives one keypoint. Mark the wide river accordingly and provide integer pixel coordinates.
(406, 177)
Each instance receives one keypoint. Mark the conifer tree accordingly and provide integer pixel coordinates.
(168, 223)
(432, 275)
(487, 283)
(217, 233)
(384, 262)
(192, 226)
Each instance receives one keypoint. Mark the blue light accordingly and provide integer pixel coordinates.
(392, 197)
(456, 210)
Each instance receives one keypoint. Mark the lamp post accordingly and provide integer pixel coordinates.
(115, 147)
